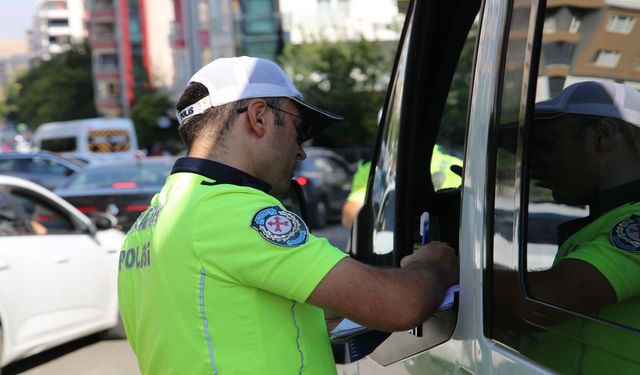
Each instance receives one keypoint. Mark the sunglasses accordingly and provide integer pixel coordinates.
(303, 129)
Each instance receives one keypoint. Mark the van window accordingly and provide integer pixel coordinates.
(566, 249)
(109, 141)
(67, 144)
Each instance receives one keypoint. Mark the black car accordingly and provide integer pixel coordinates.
(121, 188)
(44, 168)
(325, 178)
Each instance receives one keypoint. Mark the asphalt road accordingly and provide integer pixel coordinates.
(96, 355)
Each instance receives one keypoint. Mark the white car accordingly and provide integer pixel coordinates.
(58, 271)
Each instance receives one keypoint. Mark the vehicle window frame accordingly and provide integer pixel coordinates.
(6, 199)
(76, 226)
(432, 45)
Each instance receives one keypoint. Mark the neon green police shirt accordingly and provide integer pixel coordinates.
(610, 244)
(214, 276)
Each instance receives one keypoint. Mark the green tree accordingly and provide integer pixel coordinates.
(58, 89)
(346, 77)
(147, 113)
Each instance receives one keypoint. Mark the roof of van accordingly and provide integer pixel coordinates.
(73, 126)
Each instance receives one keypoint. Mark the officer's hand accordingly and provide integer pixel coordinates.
(435, 255)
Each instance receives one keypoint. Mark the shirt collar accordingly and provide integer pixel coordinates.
(607, 201)
(219, 172)
(616, 197)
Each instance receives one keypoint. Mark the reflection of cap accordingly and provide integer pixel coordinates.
(604, 99)
(236, 78)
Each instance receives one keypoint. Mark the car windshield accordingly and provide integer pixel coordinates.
(120, 177)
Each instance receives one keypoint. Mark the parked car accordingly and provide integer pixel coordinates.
(325, 178)
(42, 167)
(58, 271)
(122, 188)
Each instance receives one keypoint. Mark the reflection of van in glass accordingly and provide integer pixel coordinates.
(89, 139)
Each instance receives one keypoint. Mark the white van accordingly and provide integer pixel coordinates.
(467, 77)
(92, 139)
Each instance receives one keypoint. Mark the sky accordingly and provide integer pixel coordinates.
(15, 17)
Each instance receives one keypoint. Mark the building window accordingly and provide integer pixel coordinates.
(637, 67)
(575, 25)
(109, 90)
(550, 25)
(58, 22)
(621, 24)
(607, 59)
(557, 53)
(107, 61)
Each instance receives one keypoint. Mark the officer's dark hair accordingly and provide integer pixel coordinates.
(215, 121)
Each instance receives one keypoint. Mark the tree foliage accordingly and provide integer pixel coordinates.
(148, 110)
(347, 77)
(58, 89)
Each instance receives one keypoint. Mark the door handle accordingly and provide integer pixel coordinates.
(61, 259)
(4, 265)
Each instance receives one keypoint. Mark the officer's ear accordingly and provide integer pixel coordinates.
(257, 111)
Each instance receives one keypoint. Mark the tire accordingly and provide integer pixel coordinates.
(320, 215)
(114, 333)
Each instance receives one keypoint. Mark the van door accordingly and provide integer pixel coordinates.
(561, 290)
(417, 168)
(522, 219)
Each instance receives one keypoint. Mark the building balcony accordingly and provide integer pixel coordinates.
(53, 13)
(106, 14)
(101, 4)
(104, 44)
(101, 72)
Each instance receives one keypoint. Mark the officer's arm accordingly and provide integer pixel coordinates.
(572, 284)
(391, 299)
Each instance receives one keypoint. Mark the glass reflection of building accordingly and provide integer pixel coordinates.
(589, 40)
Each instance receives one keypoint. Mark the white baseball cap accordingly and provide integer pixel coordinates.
(231, 79)
(595, 98)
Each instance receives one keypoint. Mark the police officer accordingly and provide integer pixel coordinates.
(217, 277)
(587, 151)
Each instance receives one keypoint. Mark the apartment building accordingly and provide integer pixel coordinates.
(589, 40)
(56, 24)
(130, 51)
(208, 29)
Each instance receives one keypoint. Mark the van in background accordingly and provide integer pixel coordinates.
(92, 139)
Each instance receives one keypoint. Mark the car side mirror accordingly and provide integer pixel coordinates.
(295, 200)
(103, 220)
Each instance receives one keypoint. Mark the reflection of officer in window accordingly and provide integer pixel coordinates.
(586, 149)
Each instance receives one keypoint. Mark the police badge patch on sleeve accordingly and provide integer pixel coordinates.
(280, 227)
(625, 234)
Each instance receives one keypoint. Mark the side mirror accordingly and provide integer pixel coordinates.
(103, 220)
(295, 200)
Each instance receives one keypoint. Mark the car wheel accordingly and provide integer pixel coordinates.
(114, 333)
(320, 215)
